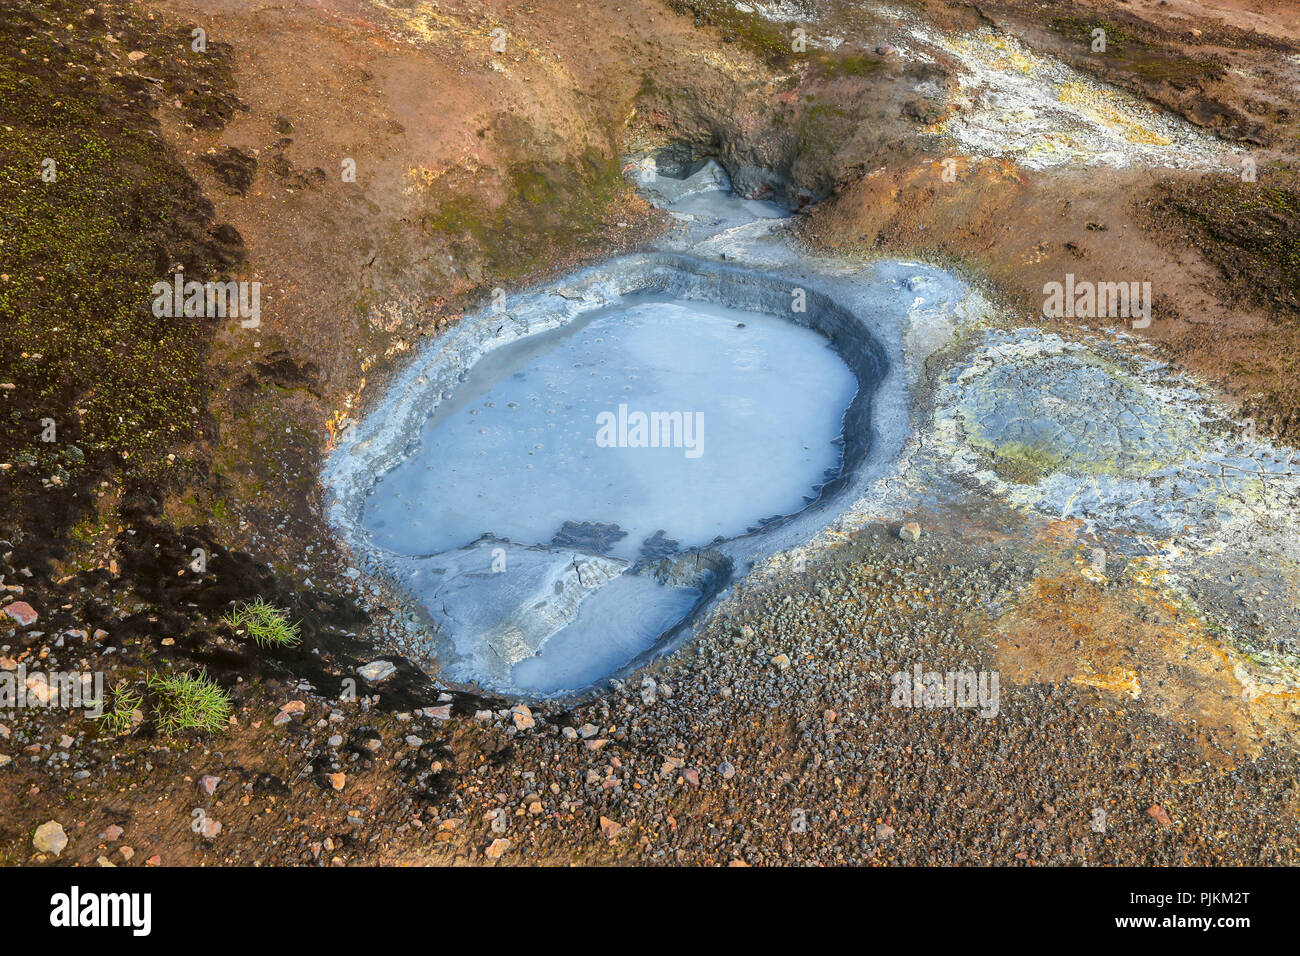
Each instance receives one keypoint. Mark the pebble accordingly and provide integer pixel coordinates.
(50, 838)
(377, 671)
(22, 613)
(523, 717)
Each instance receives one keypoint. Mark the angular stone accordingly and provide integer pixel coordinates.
(377, 671)
(50, 838)
(22, 613)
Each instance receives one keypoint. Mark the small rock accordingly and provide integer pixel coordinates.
(211, 828)
(1158, 813)
(610, 829)
(727, 770)
(523, 717)
(337, 780)
(782, 662)
(50, 838)
(884, 832)
(135, 56)
(377, 671)
(588, 730)
(497, 848)
(111, 832)
(22, 613)
(208, 783)
(910, 531)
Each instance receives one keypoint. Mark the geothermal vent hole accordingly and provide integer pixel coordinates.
(560, 495)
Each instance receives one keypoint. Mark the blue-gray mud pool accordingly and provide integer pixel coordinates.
(566, 481)
(570, 464)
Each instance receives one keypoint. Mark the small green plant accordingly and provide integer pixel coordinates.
(265, 623)
(123, 710)
(188, 702)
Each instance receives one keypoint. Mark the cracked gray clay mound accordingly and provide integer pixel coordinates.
(1110, 436)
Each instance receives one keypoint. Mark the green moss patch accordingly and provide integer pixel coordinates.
(1250, 231)
(94, 209)
(1134, 52)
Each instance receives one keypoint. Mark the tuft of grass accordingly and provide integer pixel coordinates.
(265, 623)
(189, 702)
(123, 710)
